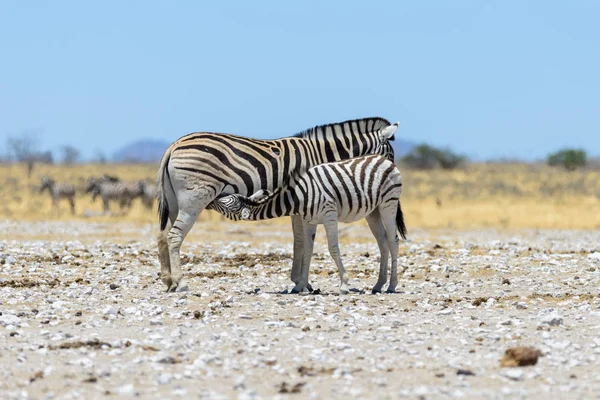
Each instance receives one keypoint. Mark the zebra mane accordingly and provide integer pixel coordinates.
(378, 123)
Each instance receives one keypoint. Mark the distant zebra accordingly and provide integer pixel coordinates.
(345, 191)
(198, 167)
(110, 190)
(59, 191)
(147, 193)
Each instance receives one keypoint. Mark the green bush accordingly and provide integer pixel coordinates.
(428, 157)
(570, 159)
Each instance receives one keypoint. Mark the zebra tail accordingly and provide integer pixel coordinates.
(162, 179)
(400, 222)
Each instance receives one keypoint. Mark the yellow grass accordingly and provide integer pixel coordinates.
(480, 195)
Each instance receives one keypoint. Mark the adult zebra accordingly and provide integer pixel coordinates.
(200, 166)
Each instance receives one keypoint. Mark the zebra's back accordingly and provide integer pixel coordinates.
(353, 188)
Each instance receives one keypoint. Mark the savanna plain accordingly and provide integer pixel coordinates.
(498, 256)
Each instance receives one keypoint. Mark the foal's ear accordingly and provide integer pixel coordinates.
(245, 213)
(260, 195)
(388, 132)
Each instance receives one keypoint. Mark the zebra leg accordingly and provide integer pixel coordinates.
(389, 221)
(190, 204)
(72, 203)
(309, 231)
(378, 230)
(163, 254)
(331, 227)
(55, 205)
(105, 201)
(298, 230)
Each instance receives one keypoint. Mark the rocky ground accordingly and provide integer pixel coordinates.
(84, 315)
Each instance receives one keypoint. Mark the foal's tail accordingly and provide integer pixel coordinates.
(400, 222)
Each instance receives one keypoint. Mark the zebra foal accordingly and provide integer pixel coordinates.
(199, 167)
(59, 191)
(344, 191)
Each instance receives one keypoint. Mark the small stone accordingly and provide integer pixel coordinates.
(163, 379)
(552, 320)
(110, 310)
(67, 259)
(113, 286)
(520, 357)
(127, 390)
(465, 372)
(515, 374)
(521, 306)
(305, 328)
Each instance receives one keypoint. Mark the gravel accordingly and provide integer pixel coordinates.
(84, 315)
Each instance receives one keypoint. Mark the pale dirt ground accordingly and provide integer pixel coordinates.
(94, 287)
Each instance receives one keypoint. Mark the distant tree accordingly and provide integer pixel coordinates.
(23, 148)
(570, 159)
(70, 155)
(425, 156)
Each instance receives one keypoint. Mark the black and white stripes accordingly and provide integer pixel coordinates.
(59, 191)
(199, 167)
(345, 191)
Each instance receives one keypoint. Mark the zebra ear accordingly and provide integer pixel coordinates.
(388, 132)
(245, 213)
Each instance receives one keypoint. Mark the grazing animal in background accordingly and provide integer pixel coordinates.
(59, 191)
(148, 193)
(110, 190)
(198, 167)
(345, 191)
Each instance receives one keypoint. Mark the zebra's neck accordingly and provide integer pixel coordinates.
(343, 140)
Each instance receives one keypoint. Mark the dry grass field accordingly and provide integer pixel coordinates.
(477, 196)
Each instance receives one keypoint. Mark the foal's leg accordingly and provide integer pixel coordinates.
(378, 230)
(389, 221)
(331, 227)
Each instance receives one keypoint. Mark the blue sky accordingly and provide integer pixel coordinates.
(491, 79)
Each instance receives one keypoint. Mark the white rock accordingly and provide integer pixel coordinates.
(9, 319)
(163, 379)
(516, 374)
(110, 310)
(127, 390)
(594, 256)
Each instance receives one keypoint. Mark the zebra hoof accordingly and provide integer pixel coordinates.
(299, 288)
(375, 290)
(391, 290)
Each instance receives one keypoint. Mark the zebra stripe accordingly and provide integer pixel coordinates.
(114, 190)
(201, 166)
(345, 191)
(59, 191)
